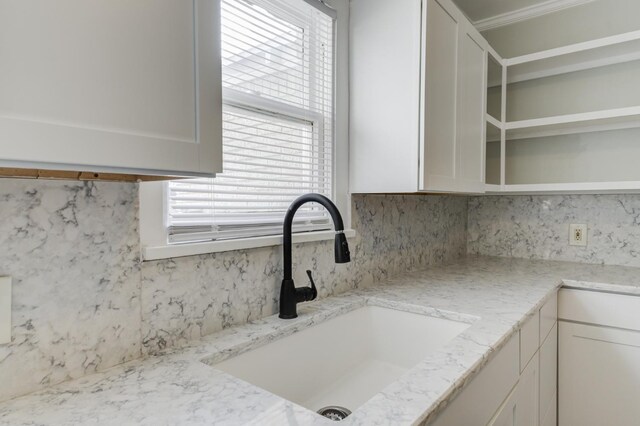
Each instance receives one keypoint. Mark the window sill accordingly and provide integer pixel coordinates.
(180, 250)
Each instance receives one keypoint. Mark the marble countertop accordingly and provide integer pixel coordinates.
(179, 387)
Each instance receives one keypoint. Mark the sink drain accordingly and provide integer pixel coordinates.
(334, 412)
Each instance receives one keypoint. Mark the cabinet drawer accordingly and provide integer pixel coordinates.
(548, 316)
(612, 310)
(477, 403)
(529, 340)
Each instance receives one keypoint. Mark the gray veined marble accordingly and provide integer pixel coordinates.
(83, 302)
(72, 250)
(496, 295)
(537, 227)
(190, 297)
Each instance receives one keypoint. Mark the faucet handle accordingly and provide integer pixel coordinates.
(314, 291)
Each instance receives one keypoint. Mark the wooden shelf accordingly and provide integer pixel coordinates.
(576, 57)
(611, 119)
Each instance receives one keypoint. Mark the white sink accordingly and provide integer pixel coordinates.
(346, 360)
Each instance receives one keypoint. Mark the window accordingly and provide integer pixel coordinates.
(286, 95)
(278, 126)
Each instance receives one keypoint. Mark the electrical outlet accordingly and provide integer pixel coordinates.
(578, 234)
(5, 310)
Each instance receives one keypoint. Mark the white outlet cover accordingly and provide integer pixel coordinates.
(5, 310)
(578, 234)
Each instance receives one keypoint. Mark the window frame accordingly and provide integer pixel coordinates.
(153, 195)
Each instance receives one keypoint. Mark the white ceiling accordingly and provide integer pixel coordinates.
(481, 9)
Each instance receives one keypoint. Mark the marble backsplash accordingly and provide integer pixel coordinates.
(537, 227)
(73, 252)
(83, 301)
(189, 297)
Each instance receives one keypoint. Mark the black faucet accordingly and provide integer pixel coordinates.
(290, 296)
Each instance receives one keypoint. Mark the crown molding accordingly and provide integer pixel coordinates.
(525, 13)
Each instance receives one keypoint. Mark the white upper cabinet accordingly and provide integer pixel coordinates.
(418, 98)
(114, 86)
(384, 122)
(454, 102)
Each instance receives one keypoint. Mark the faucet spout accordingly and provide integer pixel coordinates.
(290, 296)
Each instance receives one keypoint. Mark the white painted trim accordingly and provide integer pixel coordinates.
(584, 117)
(516, 76)
(5, 310)
(153, 220)
(178, 250)
(573, 48)
(323, 7)
(583, 127)
(247, 101)
(494, 121)
(624, 187)
(503, 131)
(341, 109)
(526, 13)
(489, 187)
(591, 54)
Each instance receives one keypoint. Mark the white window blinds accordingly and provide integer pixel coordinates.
(277, 76)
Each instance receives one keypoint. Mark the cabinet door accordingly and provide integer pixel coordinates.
(470, 120)
(111, 85)
(521, 407)
(506, 415)
(598, 375)
(526, 411)
(438, 170)
(385, 58)
(482, 397)
(454, 102)
(549, 378)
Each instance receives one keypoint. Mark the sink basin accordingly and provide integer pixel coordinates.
(346, 360)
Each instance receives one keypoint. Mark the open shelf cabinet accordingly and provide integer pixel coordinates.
(548, 140)
(576, 57)
(620, 118)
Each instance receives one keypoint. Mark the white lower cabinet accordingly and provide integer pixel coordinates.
(599, 381)
(477, 403)
(506, 415)
(521, 407)
(518, 386)
(549, 379)
(550, 418)
(526, 409)
(598, 359)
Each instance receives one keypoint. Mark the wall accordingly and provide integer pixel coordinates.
(600, 18)
(72, 250)
(609, 156)
(83, 301)
(537, 227)
(189, 297)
